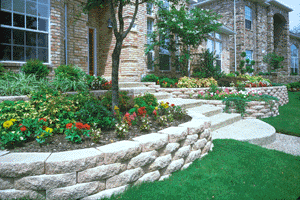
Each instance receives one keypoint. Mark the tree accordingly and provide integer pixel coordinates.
(119, 32)
(181, 28)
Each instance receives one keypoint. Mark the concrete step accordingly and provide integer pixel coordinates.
(135, 84)
(162, 95)
(184, 103)
(254, 131)
(138, 90)
(223, 119)
(207, 110)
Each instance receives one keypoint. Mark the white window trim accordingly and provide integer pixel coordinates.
(95, 51)
(18, 28)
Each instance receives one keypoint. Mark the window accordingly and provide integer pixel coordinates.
(215, 45)
(249, 55)
(218, 52)
(150, 56)
(210, 45)
(25, 24)
(248, 17)
(164, 53)
(149, 8)
(294, 60)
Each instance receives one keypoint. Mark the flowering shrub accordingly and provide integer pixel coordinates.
(145, 124)
(186, 82)
(75, 132)
(162, 120)
(121, 129)
(106, 85)
(147, 100)
(95, 134)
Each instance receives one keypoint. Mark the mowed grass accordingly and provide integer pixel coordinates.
(288, 120)
(233, 170)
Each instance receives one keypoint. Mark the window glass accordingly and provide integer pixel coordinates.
(294, 59)
(210, 45)
(43, 10)
(31, 8)
(18, 37)
(18, 53)
(19, 6)
(30, 53)
(218, 49)
(19, 20)
(6, 4)
(248, 13)
(150, 58)
(149, 29)
(5, 18)
(43, 54)
(43, 24)
(149, 8)
(218, 36)
(42, 40)
(44, 1)
(31, 22)
(249, 55)
(31, 38)
(6, 35)
(164, 62)
(294, 51)
(6, 52)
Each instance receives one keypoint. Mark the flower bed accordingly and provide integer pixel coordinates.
(96, 172)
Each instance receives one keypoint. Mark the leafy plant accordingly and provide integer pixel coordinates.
(273, 60)
(207, 68)
(121, 129)
(150, 78)
(36, 67)
(248, 68)
(148, 101)
(125, 101)
(70, 72)
(68, 84)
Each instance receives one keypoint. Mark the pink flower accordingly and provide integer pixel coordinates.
(259, 93)
(218, 92)
(211, 95)
(134, 114)
(127, 114)
(226, 90)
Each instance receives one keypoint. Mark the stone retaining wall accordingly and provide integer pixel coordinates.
(279, 91)
(254, 109)
(98, 172)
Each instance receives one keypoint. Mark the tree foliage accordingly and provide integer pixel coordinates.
(180, 27)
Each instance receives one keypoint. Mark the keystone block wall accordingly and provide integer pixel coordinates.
(96, 172)
(280, 92)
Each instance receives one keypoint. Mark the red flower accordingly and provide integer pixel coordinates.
(23, 128)
(79, 125)
(20, 124)
(69, 125)
(154, 112)
(172, 104)
(142, 111)
(87, 127)
(43, 119)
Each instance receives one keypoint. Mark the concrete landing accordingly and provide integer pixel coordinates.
(254, 131)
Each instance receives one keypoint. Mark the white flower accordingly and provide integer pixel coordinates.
(21, 138)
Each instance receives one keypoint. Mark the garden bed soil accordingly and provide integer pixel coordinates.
(58, 143)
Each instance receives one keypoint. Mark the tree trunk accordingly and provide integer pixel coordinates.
(115, 73)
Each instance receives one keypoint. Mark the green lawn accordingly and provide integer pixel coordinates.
(233, 170)
(288, 121)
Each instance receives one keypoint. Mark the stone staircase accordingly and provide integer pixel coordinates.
(223, 125)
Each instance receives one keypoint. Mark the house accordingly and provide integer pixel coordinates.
(58, 33)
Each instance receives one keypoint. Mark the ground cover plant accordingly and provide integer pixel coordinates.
(52, 121)
(288, 122)
(233, 170)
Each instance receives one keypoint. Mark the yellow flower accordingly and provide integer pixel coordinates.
(13, 120)
(7, 124)
(49, 130)
(42, 134)
(37, 137)
(136, 106)
(166, 106)
(116, 108)
(156, 108)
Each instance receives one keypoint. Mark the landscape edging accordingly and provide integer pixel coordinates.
(111, 168)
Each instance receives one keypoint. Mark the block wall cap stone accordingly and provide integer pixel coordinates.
(120, 151)
(175, 133)
(22, 164)
(152, 141)
(76, 160)
(190, 139)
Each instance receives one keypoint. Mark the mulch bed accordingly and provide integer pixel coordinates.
(58, 143)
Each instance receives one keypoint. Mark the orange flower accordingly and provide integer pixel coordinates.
(23, 128)
(79, 125)
(43, 119)
(69, 125)
(87, 127)
(172, 105)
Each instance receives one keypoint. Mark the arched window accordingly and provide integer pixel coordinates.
(294, 60)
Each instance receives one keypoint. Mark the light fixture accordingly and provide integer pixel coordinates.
(109, 23)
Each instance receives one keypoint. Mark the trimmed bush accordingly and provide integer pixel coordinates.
(70, 72)
(35, 67)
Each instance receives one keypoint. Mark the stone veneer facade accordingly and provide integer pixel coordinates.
(133, 62)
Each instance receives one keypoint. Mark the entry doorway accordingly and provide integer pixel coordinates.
(92, 52)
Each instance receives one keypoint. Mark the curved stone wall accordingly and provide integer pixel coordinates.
(98, 172)
(254, 109)
(279, 91)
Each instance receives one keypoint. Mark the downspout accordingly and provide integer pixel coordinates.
(66, 35)
(234, 18)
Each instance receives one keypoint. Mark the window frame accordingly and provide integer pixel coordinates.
(248, 18)
(25, 29)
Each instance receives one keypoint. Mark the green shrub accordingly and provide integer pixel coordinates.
(125, 101)
(70, 72)
(273, 60)
(95, 83)
(2, 70)
(35, 67)
(94, 113)
(248, 68)
(148, 101)
(150, 78)
(167, 82)
(68, 85)
(293, 85)
(207, 69)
